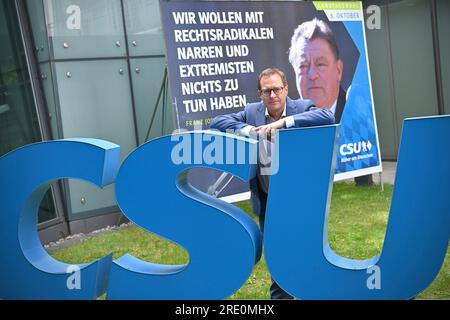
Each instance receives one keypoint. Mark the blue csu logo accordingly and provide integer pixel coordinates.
(355, 148)
(223, 242)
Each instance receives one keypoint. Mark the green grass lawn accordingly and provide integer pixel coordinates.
(357, 227)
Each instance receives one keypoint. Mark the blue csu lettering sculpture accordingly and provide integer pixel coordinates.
(222, 241)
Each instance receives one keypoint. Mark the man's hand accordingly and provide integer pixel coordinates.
(268, 130)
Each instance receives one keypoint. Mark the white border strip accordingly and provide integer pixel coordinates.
(376, 169)
(361, 172)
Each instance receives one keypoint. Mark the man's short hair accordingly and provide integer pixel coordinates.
(308, 31)
(270, 71)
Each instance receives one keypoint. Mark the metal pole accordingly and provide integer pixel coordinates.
(161, 90)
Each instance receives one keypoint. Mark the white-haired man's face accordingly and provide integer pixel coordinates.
(319, 73)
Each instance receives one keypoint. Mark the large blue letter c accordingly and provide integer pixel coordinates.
(26, 270)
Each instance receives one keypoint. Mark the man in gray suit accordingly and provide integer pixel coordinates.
(275, 111)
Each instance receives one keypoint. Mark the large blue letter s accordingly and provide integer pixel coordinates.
(223, 242)
(26, 270)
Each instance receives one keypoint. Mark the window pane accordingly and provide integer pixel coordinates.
(19, 124)
(85, 28)
(144, 29)
(147, 75)
(443, 20)
(95, 102)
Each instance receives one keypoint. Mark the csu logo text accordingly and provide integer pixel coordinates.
(355, 148)
(417, 234)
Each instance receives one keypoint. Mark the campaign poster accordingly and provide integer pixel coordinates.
(216, 50)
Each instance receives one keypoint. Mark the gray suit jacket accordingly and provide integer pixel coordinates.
(305, 115)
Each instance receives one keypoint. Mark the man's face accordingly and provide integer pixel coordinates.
(319, 74)
(275, 103)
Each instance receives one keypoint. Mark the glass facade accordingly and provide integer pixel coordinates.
(443, 25)
(102, 69)
(94, 101)
(84, 28)
(143, 25)
(146, 90)
(19, 123)
(18, 118)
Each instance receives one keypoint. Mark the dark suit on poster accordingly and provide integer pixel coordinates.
(341, 100)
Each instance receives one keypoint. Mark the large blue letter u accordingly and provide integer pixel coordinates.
(418, 228)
